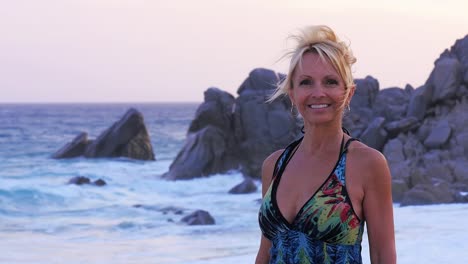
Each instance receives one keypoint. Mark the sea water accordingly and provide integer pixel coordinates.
(45, 220)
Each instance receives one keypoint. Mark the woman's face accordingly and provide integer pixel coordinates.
(318, 91)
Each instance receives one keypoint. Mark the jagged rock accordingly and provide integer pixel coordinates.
(439, 135)
(73, 149)
(128, 137)
(361, 114)
(205, 153)
(447, 79)
(419, 102)
(216, 110)
(401, 126)
(247, 186)
(393, 151)
(428, 194)
(198, 217)
(261, 128)
(229, 134)
(366, 92)
(210, 147)
(391, 103)
(375, 135)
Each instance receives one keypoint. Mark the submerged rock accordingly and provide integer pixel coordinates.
(247, 186)
(198, 217)
(81, 180)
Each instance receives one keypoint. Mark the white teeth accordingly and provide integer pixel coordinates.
(318, 106)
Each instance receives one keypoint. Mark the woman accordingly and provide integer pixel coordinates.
(321, 189)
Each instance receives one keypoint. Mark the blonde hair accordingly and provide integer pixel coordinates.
(322, 40)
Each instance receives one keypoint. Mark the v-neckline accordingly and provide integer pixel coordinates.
(278, 179)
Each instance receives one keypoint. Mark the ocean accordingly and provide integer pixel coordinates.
(45, 220)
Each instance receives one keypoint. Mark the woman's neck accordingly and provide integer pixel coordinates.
(322, 139)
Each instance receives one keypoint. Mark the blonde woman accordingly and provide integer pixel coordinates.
(320, 190)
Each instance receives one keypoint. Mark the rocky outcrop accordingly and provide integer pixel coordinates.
(423, 132)
(235, 133)
(429, 157)
(128, 137)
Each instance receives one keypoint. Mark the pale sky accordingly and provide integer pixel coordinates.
(172, 51)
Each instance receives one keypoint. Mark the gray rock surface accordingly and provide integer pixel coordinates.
(439, 136)
(428, 194)
(73, 149)
(246, 186)
(239, 133)
(375, 135)
(199, 217)
(447, 79)
(127, 137)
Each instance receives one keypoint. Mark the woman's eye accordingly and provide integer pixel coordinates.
(331, 82)
(305, 82)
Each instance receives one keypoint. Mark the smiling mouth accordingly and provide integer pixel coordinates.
(318, 106)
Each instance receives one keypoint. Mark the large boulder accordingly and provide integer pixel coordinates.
(261, 128)
(357, 120)
(73, 149)
(375, 135)
(230, 133)
(439, 135)
(391, 103)
(446, 80)
(210, 146)
(428, 194)
(199, 217)
(127, 137)
(205, 153)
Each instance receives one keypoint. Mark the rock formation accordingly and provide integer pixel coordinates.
(235, 133)
(127, 137)
(423, 132)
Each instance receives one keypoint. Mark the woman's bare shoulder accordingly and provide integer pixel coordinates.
(367, 157)
(371, 165)
(269, 165)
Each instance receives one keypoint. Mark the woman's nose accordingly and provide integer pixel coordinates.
(317, 91)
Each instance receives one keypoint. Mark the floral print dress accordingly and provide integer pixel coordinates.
(325, 230)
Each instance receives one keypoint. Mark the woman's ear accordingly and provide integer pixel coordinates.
(352, 89)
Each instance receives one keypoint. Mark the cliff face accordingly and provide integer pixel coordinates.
(423, 132)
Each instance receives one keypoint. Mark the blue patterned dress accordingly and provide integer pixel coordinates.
(325, 230)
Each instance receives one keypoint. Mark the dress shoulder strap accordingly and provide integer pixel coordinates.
(348, 142)
(340, 169)
(285, 157)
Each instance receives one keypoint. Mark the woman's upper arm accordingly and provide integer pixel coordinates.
(378, 209)
(268, 167)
